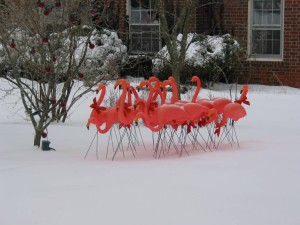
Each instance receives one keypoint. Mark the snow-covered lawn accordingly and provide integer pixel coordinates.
(256, 184)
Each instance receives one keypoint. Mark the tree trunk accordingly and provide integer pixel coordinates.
(176, 75)
(37, 138)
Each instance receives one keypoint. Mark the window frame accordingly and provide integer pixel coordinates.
(141, 24)
(251, 26)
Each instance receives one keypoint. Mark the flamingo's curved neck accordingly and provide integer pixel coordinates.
(121, 101)
(136, 95)
(107, 127)
(197, 90)
(145, 117)
(101, 97)
(163, 94)
(152, 96)
(129, 98)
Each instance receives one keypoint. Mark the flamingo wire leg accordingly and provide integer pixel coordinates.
(138, 127)
(130, 141)
(171, 141)
(198, 132)
(91, 144)
(118, 146)
(157, 144)
(194, 135)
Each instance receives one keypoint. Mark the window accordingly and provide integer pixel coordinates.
(266, 29)
(144, 27)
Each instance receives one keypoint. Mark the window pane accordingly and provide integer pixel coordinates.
(155, 32)
(267, 47)
(146, 32)
(154, 17)
(145, 4)
(136, 28)
(267, 17)
(145, 17)
(269, 34)
(135, 4)
(136, 43)
(257, 4)
(266, 42)
(135, 16)
(276, 4)
(276, 17)
(153, 4)
(146, 45)
(276, 47)
(267, 4)
(257, 17)
(276, 34)
(257, 47)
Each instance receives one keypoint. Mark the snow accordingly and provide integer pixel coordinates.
(201, 50)
(256, 184)
(104, 58)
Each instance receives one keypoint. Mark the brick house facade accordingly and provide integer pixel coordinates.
(267, 70)
(267, 30)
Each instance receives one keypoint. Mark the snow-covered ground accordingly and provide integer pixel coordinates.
(256, 184)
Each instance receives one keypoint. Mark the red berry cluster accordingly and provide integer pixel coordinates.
(48, 8)
(13, 44)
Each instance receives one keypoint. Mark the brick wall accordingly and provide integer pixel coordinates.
(234, 20)
(286, 72)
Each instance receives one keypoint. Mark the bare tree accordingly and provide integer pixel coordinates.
(44, 48)
(179, 24)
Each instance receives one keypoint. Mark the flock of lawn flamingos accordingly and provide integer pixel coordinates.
(203, 123)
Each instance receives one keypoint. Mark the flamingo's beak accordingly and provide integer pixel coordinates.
(242, 90)
(116, 85)
(97, 90)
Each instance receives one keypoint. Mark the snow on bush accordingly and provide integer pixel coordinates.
(101, 53)
(201, 50)
(107, 56)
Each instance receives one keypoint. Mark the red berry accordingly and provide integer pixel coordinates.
(57, 4)
(44, 135)
(41, 4)
(12, 45)
(80, 75)
(53, 101)
(45, 40)
(63, 104)
(47, 69)
(46, 12)
(91, 45)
